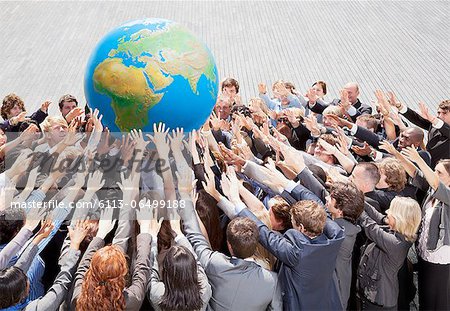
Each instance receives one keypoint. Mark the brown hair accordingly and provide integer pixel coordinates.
(446, 164)
(104, 282)
(445, 105)
(395, 174)
(372, 122)
(9, 102)
(242, 234)
(348, 199)
(230, 82)
(309, 214)
(282, 211)
(323, 85)
(209, 215)
(371, 171)
(180, 278)
(66, 98)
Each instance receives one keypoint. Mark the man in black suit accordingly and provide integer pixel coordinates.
(438, 128)
(349, 101)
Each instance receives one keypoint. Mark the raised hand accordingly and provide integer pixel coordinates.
(97, 121)
(106, 222)
(127, 149)
(425, 113)
(362, 151)
(160, 140)
(104, 147)
(276, 180)
(34, 217)
(290, 114)
(292, 158)
(336, 120)
(210, 187)
(312, 96)
(262, 89)
(388, 147)
(145, 215)
(46, 228)
(393, 101)
(45, 105)
(411, 154)
(95, 181)
(185, 182)
(176, 141)
(138, 139)
(342, 144)
(74, 113)
(21, 117)
(344, 103)
(215, 121)
(234, 185)
(78, 232)
(230, 157)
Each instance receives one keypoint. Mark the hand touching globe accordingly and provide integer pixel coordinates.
(150, 71)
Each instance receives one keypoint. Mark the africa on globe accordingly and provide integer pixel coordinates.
(150, 71)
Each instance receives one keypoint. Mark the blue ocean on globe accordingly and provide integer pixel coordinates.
(149, 71)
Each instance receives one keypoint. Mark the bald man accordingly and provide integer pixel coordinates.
(355, 110)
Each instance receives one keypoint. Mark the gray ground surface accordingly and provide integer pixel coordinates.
(392, 45)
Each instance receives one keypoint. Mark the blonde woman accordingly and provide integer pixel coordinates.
(383, 258)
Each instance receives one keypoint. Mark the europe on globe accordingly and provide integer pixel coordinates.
(149, 71)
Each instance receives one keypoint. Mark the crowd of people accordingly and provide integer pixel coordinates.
(287, 202)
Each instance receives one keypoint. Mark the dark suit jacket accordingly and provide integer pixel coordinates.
(361, 108)
(307, 265)
(438, 139)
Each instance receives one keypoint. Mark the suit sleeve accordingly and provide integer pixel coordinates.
(311, 182)
(384, 240)
(300, 193)
(275, 243)
(56, 294)
(319, 106)
(416, 119)
(141, 272)
(194, 234)
(368, 136)
(277, 302)
(83, 267)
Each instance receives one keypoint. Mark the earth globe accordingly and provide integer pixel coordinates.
(149, 71)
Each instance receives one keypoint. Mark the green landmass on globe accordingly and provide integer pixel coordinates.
(138, 72)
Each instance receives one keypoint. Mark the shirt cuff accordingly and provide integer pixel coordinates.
(438, 124)
(352, 111)
(403, 109)
(290, 186)
(378, 156)
(239, 207)
(353, 129)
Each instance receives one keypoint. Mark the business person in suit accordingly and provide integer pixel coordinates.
(438, 128)
(353, 105)
(237, 282)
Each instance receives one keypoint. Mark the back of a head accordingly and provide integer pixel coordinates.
(13, 286)
(348, 199)
(182, 288)
(281, 210)
(104, 281)
(242, 236)
(407, 215)
(395, 174)
(11, 221)
(310, 215)
(416, 136)
(371, 172)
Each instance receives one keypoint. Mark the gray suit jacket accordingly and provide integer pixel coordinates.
(236, 284)
(381, 261)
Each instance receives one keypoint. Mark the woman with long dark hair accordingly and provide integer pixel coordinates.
(184, 285)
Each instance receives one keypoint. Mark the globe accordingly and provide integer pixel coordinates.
(149, 71)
